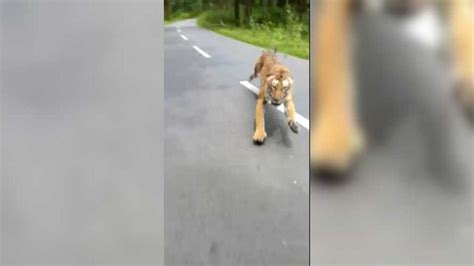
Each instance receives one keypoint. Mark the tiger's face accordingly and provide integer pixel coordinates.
(278, 90)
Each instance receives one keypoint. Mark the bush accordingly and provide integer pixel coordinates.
(291, 28)
(181, 15)
(275, 16)
(288, 35)
(216, 18)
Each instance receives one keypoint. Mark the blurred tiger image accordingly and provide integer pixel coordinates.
(337, 137)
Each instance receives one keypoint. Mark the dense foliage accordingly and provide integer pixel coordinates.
(281, 24)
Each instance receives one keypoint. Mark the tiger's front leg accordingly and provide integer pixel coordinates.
(260, 134)
(335, 135)
(290, 112)
(462, 26)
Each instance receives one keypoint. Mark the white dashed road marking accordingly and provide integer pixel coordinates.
(303, 121)
(249, 86)
(206, 55)
(184, 37)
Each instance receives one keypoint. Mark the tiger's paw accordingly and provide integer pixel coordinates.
(293, 126)
(259, 137)
(334, 148)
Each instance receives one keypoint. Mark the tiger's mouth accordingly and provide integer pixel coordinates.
(276, 103)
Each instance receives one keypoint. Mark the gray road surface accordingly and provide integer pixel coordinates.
(410, 200)
(229, 202)
(82, 153)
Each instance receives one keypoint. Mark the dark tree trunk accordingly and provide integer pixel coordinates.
(237, 11)
(301, 8)
(167, 10)
(205, 4)
(247, 11)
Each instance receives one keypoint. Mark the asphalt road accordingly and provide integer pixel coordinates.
(409, 201)
(81, 133)
(227, 201)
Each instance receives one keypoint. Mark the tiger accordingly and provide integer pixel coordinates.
(336, 135)
(276, 86)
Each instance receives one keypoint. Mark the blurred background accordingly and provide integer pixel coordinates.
(409, 200)
(81, 133)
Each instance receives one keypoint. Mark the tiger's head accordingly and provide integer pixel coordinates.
(278, 88)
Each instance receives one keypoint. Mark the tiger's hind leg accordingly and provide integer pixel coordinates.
(335, 135)
(256, 70)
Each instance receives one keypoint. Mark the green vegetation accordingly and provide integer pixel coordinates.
(291, 37)
(281, 24)
(180, 15)
(181, 9)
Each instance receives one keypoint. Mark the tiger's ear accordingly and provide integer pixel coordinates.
(270, 78)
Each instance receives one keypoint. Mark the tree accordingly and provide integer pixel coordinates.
(167, 10)
(247, 11)
(282, 3)
(237, 11)
(301, 8)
